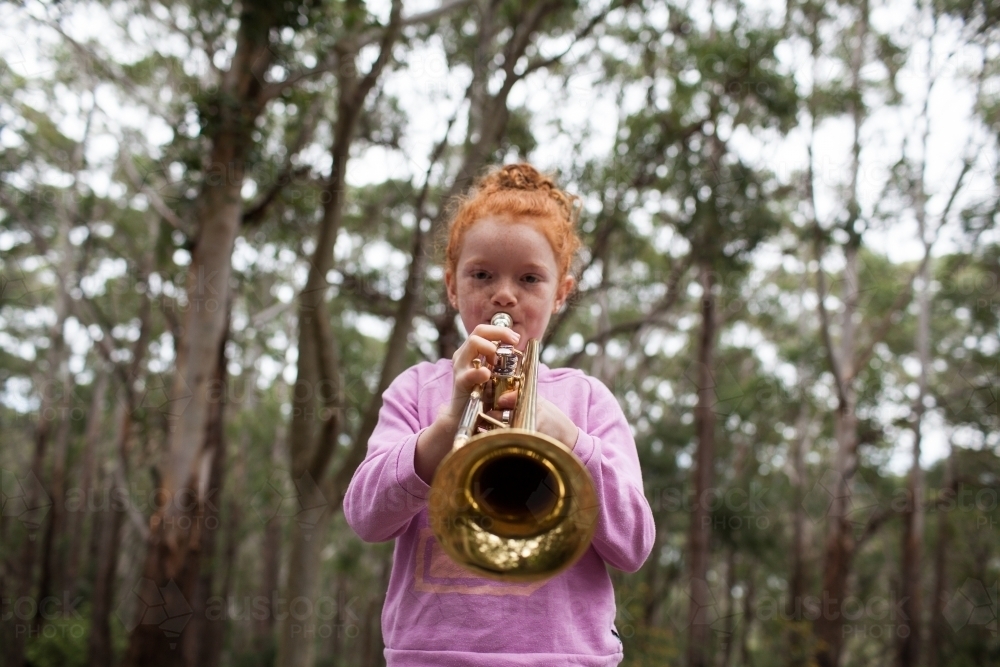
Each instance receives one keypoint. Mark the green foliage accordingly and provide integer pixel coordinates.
(61, 642)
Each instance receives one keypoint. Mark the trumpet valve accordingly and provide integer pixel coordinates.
(506, 364)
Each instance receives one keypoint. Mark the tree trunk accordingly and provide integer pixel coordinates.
(942, 544)
(317, 406)
(839, 547)
(749, 603)
(201, 637)
(90, 445)
(171, 561)
(52, 570)
(797, 632)
(212, 653)
(68, 214)
(449, 339)
(908, 649)
(296, 636)
(99, 649)
(178, 583)
(909, 646)
(654, 601)
(53, 388)
(729, 618)
(700, 529)
(270, 568)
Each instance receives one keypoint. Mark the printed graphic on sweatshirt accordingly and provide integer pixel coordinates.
(436, 573)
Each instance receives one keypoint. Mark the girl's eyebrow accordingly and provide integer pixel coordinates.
(477, 262)
(541, 268)
(489, 262)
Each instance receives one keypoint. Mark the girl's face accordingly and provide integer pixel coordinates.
(507, 266)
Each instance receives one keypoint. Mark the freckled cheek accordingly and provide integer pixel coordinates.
(475, 295)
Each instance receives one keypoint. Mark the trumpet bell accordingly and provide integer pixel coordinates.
(513, 505)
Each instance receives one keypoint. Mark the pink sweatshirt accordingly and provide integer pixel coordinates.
(437, 614)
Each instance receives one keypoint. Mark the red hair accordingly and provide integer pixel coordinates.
(512, 193)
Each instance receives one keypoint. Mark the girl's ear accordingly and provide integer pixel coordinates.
(449, 281)
(563, 292)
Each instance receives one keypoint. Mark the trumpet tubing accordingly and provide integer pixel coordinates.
(510, 503)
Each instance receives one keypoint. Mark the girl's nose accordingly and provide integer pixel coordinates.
(504, 294)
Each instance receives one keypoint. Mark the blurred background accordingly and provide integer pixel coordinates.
(220, 232)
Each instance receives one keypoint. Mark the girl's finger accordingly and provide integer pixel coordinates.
(468, 379)
(474, 348)
(491, 333)
(508, 399)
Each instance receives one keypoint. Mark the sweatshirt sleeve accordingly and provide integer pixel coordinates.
(625, 526)
(385, 492)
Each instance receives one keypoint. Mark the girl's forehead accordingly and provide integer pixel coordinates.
(490, 238)
(508, 231)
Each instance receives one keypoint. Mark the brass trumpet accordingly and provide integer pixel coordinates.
(507, 502)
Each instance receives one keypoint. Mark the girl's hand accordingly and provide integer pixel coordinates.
(435, 442)
(466, 375)
(549, 419)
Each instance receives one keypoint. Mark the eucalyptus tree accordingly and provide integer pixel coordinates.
(842, 90)
(62, 248)
(241, 66)
(710, 77)
(841, 87)
(963, 333)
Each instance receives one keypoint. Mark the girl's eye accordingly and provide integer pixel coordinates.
(532, 279)
(480, 275)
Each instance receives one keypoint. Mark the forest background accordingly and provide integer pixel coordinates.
(220, 242)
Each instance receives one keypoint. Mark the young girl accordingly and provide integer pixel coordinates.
(510, 247)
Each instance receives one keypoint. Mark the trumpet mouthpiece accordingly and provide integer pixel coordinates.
(502, 320)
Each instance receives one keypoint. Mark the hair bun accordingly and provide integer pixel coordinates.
(523, 176)
(519, 176)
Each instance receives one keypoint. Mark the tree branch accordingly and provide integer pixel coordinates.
(154, 198)
(824, 319)
(540, 63)
(352, 46)
(632, 327)
(255, 212)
